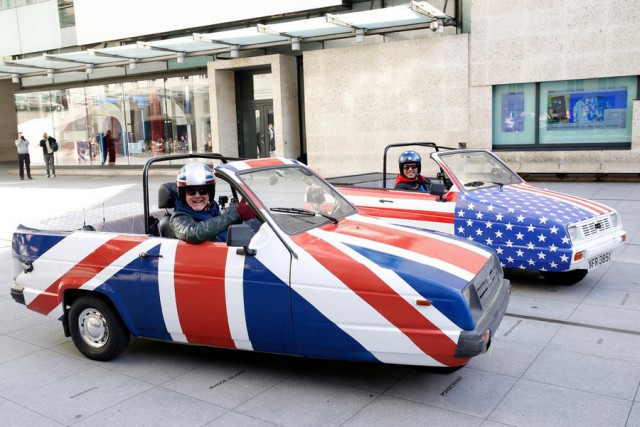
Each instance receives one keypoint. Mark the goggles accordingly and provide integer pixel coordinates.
(200, 190)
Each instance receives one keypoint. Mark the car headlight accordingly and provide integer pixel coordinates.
(473, 301)
(615, 220)
(573, 233)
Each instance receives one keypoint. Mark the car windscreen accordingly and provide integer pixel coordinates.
(295, 198)
(478, 169)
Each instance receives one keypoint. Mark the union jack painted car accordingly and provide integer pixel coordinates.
(476, 196)
(315, 279)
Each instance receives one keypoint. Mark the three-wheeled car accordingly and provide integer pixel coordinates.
(475, 195)
(313, 278)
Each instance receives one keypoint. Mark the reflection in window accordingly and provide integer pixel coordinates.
(148, 118)
(576, 113)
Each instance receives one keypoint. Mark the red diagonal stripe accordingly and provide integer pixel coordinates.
(434, 248)
(586, 204)
(83, 271)
(422, 332)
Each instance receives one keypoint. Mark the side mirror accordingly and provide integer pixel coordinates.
(438, 189)
(239, 235)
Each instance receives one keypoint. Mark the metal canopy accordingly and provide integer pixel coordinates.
(416, 14)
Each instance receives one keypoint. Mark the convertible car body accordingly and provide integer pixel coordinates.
(313, 279)
(476, 196)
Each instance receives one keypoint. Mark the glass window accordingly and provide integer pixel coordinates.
(146, 118)
(587, 111)
(254, 87)
(67, 16)
(571, 113)
(514, 114)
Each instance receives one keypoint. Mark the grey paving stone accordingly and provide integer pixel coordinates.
(302, 401)
(375, 377)
(15, 317)
(227, 383)
(11, 348)
(15, 415)
(36, 370)
(157, 363)
(596, 374)
(143, 410)
(469, 391)
(597, 315)
(534, 404)
(506, 357)
(390, 411)
(526, 331)
(541, 307)
(612, 345)
(634, 416)
(544, 290)
(615, 298)
(45, 335)
(232, 418)
(82, 395)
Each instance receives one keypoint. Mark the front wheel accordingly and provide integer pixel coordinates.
(566, 278)
(97, 331)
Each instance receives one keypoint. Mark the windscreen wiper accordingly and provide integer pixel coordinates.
(481, 183)
(304, 212)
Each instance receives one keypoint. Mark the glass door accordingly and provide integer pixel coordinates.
(257, 135)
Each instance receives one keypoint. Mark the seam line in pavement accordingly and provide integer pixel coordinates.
(580, 325)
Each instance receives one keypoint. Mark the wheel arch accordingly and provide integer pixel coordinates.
(71, 295)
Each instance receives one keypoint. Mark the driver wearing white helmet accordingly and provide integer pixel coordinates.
(197, 217)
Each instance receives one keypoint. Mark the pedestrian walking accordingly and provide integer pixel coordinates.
(49, 147)
(24, 160)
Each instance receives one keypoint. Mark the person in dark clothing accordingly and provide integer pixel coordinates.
(110, 143)
(409, 178)
(197, 217)
(24, 159)
(48, 151)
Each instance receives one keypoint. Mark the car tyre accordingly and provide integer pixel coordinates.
(566, 278)
(96, 329)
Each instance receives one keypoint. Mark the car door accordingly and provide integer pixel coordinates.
(213, 294)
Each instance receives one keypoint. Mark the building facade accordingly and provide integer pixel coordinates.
(552, 87)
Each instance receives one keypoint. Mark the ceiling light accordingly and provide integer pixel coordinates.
(15, 78)
(180, 57)
(50, 73)
(360, 35)
(295, 43)
(234, 52)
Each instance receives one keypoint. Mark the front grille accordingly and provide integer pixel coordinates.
(597, 226)
(490, 275)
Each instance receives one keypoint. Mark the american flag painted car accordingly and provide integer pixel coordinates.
(315, 280)
(476, 196)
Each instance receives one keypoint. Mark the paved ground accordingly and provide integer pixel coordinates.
(563, 356)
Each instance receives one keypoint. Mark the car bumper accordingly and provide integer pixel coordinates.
(472, 343)
(17, 293)
(587, 251)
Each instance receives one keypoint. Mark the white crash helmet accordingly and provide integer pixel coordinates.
(195, 175)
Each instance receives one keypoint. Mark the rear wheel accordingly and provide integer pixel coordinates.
(96, 329)
(566, 278)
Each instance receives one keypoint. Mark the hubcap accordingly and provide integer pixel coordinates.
(94, 329)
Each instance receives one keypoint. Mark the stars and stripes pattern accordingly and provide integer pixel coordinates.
(525, 225)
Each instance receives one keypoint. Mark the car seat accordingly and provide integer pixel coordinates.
(167, 194)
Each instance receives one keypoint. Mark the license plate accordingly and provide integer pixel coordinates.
(599, 260)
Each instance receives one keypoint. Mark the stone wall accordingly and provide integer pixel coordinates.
(358, 99)
(518, 41)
